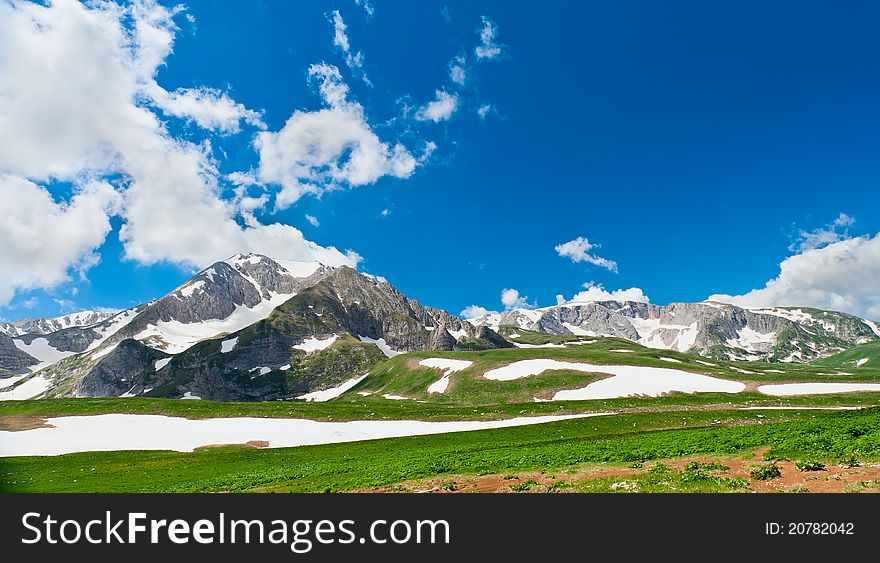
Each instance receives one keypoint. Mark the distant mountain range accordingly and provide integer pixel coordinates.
(256, 328)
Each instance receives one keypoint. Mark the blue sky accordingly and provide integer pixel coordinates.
(695, 146)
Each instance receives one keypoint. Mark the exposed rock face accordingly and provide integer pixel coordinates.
(262, 361)
(46, 326)
(12, 360)
(129, 368)
(441, 340)
(714, 329)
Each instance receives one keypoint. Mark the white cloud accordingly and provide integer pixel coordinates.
(488, 48)
(457, 70)
(385, 212)
(840, 276)
(511, 299)
(66, 305)
(330, 148)
(78, 87)
(207, 107)
(578, 250)
(595, 292)
(474, 311)
(355, 61)
(484, 110)
(313, 220)
(833, 232)
(42, 241)
(439, 109)
(366, 5)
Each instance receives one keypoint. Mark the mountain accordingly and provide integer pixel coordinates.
(45, 326)
(254, 328)
(247, 328)
(778, 334)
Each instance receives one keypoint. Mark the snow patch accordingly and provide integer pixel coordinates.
(386, 349)
(31, 388)
(448, 367)
(333, 392)
(40, 349)
(111, 432)
(227, 345)
(791, 389)
(162, 363)
(626, 381)
(313, 344)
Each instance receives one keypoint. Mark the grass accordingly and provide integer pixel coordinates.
(849, 358)
(359, 465)
(403, 376)
(660, 480)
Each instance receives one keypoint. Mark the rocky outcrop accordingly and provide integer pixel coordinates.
(12, 360)
(713, 329)
(46, 326)
(129, 369)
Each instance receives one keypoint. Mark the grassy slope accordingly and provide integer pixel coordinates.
(848, 358)
(403, 376)
(643, 436)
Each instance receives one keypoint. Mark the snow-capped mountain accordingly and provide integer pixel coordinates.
(255, 328)
(45, 326)
(786, 334)
(222, 332)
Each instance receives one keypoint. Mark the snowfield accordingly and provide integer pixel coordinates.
(227, 345)
(313, 344)
(333, 392)
(28, 390)
(448, 366)
(386, 349)
(112, 432)
(791, 389)
(626, 381)
(40, 349)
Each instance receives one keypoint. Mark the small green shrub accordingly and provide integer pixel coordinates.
(765, 472)
(810, 465)
(659, 467)
(524, 486)
(712, 466)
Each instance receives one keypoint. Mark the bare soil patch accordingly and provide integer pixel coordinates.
(20, 422)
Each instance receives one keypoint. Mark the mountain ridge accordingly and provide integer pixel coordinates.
(254, 328)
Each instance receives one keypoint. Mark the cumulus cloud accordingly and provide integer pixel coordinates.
(44, 240)
(511, 299)
(595, 292)
(206, 107)
(439, 109)
(839, 276)
(313, 220)
(488, 48)
(835, 231)
(330, 148)
(578, 250)
(474, 311)
(79, 91)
